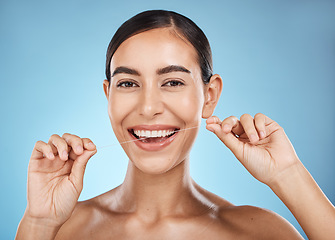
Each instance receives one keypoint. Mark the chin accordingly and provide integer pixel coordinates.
(155, 165)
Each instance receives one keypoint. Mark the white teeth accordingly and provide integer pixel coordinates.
(155, 133)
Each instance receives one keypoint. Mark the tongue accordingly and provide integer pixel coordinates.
(154, 139)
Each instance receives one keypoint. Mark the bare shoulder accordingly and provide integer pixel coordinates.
(247, 222)
(258, 223)
(83, 215)
(85, 221)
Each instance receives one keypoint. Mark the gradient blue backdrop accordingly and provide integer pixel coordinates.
(275, 57)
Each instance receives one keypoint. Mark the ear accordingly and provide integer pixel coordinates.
(212, 94)
(106, 88)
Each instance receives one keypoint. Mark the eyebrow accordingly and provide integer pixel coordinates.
(161, 71)
(172, 68)
(125, 70)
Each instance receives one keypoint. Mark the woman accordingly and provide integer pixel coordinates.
(159, 85)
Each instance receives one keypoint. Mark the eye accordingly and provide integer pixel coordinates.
(126, 84)
(173, 83)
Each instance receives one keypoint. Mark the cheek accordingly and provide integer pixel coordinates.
(119, 106)
(188, 106)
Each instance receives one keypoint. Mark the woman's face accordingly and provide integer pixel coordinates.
(155, 89)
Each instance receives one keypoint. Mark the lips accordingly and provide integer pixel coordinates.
(153, 137)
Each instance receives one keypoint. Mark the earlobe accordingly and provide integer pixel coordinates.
(106, 88)
(212, 95)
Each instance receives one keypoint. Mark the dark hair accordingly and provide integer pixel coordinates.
(160, 19)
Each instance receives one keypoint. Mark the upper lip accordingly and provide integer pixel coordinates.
(154, 127)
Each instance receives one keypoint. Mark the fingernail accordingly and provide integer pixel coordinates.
(50, 155)
(262, 134)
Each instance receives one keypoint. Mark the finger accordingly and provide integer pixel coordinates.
(228, 139)
(271, 126)
(75, 142)
(232, 124)
(268, 121)
(78, 168)
(88, 144)
(213, 119)
(55, 150)
(73, 155)
(41, 150)
(248, 125)
(260, 125)
(61, 146)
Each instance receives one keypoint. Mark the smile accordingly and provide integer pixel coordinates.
(153, 134)
(153, 137)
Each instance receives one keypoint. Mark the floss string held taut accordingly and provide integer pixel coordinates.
(111, 145)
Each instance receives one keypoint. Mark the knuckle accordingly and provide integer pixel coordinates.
(216, 118)
(233, 119)
(66, 135)
(54, 136)
(59, 143)
(77, 137)
(276, 125)
(245, 117)
(78, 140)
(74, 140)
(259, 115)
(87, 140)
(39, 143)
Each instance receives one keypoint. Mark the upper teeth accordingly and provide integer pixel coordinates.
(156, 133)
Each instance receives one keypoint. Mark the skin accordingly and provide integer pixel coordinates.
(158, 199)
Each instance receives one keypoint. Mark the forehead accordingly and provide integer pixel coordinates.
(155, 49)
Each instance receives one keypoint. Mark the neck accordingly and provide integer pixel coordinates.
(158, 195)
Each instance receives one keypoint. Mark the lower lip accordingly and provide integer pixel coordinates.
(153, 146)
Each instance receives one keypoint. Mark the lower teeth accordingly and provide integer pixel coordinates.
(154, 139)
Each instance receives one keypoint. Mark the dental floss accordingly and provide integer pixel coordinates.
(111, 145)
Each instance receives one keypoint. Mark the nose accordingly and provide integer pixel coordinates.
(150, 103)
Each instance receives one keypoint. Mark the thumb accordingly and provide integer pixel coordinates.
(229, 139)
(78, 168)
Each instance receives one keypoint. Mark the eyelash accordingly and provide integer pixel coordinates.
(176, 82)
(170, 83)
(122, 84)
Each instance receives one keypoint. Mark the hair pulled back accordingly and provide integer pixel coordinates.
(153, 19)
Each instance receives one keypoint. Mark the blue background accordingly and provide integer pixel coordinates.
(275, 57)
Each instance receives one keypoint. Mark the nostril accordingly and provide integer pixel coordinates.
(150, 105)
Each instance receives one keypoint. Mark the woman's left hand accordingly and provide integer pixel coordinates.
(259, 143)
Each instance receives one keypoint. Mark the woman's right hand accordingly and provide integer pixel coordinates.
(55, 177)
